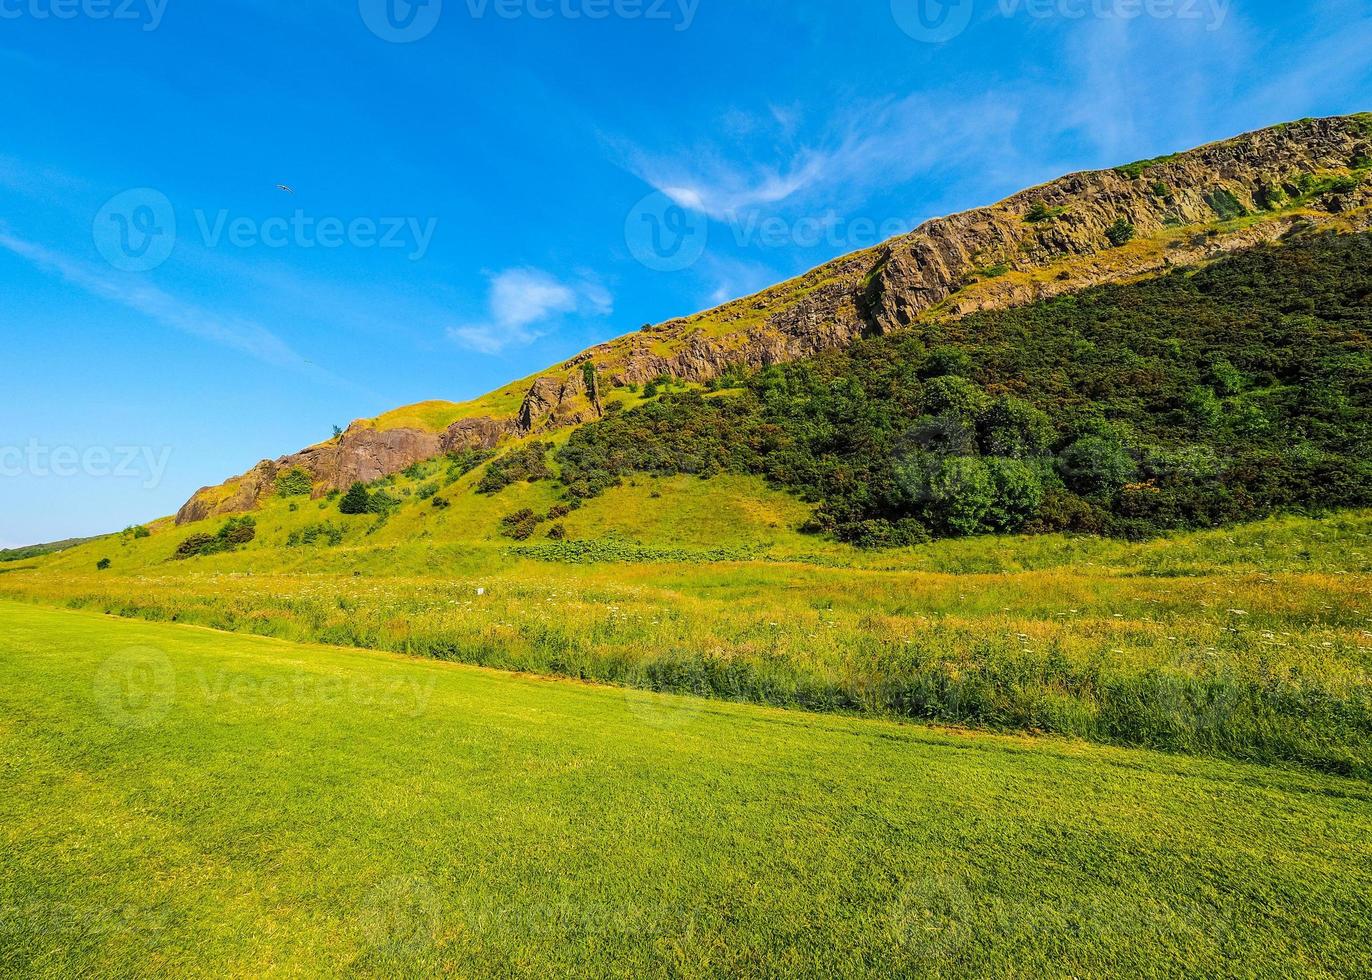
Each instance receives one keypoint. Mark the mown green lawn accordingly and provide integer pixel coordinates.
(180, 801)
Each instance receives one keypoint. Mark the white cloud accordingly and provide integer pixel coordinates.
(523, 304)
(138, 295)
(869, 145)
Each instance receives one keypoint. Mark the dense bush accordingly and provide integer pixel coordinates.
(463, 462)
(1120, 233)
(356, 500)
(234, 532)
(327, 532)
(528, 464)
(1197, 399)
(295, 482)
(520, 525)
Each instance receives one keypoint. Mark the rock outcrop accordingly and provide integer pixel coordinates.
(1082, 230)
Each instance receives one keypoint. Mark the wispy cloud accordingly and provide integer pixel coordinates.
(523, 304)
(732, 278)
(243, 336)
(872, 144)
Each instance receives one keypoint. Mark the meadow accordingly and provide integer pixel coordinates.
(1251, 643)
(180, 801)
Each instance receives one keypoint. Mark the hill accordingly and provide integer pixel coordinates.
(1082, 230)
(1129, 514)
(182, 801)
(36, 550)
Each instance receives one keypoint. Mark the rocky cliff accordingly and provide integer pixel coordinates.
(1079, 231)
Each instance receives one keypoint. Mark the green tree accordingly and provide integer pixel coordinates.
(1096, 465)
(1120, 233)
(355, 501)
(1018, 493)
(1012, 427)
(295, 482)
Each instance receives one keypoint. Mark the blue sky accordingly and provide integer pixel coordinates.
(480, 188)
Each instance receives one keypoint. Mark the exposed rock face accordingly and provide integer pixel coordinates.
(361, 454)
(1037, 244)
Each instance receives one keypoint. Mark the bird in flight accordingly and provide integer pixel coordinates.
(285, 187)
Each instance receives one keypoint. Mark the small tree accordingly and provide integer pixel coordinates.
(102, 564)
(1120, 233)
(1096, 465)
(295, 482)
(355, 501)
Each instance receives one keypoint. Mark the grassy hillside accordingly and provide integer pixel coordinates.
(1254, 642)
(186, 802)
(38, 550)
(1205, 397)
(605, 554)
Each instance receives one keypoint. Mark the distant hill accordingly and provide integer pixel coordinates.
(35, 550)
(1088, 229)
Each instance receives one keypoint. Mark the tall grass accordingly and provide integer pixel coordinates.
(1255, 643)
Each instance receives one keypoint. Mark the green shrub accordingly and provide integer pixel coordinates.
(463, 462)
(946, 360)
(520, 525)
(528, 464)
(1011, 427)
(103, 564)
(327, 532)
(295, 482)
(356, 500)
(1120, 233)
(1225, 205)
(1096, 465)
(1038, 212)
(235, 531)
